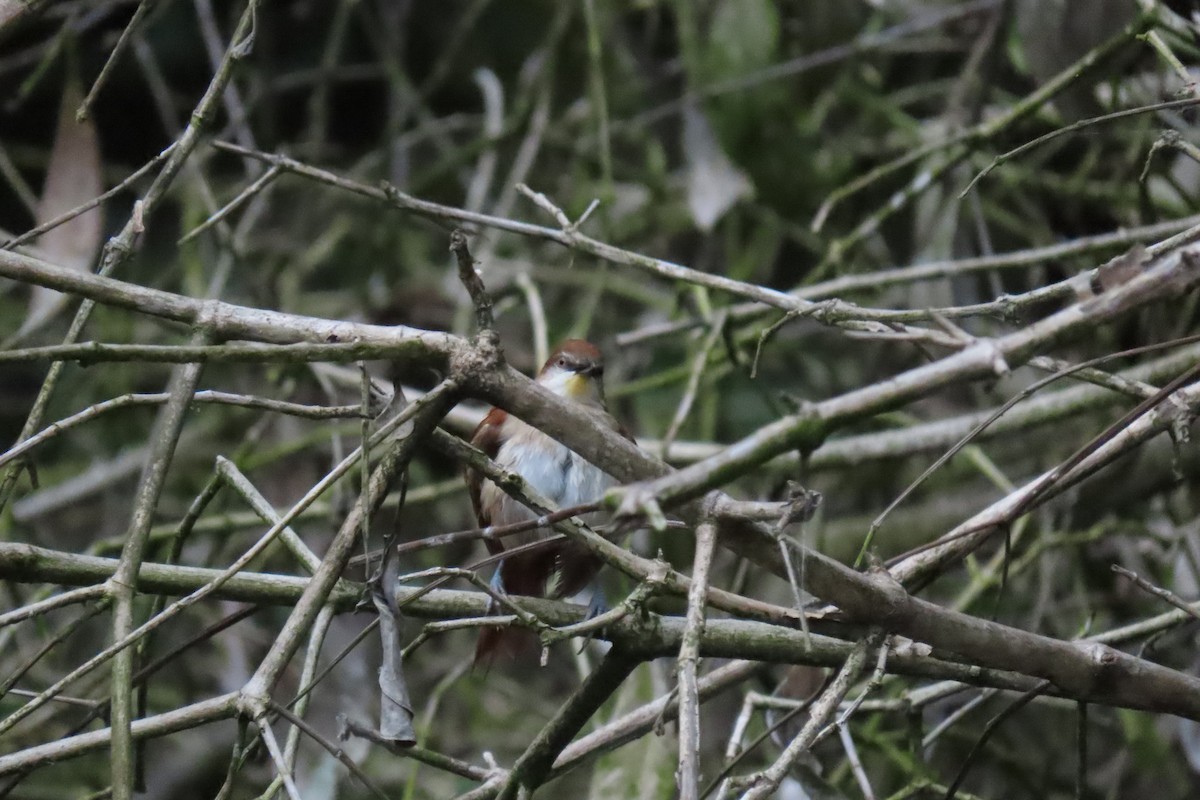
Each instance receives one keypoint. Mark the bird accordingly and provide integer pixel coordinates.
(574, 371)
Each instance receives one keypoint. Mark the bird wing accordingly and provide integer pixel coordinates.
(487, 439)
(621, 429)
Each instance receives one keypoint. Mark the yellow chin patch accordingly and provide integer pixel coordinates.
(577, 386)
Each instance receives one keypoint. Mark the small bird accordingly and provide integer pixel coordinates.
(574, 371)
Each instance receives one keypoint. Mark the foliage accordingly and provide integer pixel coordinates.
(810, 228)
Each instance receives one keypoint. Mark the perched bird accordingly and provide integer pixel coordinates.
(573, 371)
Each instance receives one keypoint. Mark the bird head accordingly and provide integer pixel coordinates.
(575, 371)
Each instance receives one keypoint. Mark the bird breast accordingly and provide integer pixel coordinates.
(555, 471)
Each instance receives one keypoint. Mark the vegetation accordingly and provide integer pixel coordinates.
(899, 299)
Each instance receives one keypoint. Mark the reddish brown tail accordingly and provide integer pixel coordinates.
(505, 644)
(523, 574)
(526, 574)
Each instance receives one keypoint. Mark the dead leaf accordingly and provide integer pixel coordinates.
(714, 183)
(73, 177)
(11, 10)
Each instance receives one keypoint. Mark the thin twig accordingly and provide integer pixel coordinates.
(1157, 591)
(693, 384)
(330, 747)
(992, 726)
(765, 783)
(1074, 126)
(471, 280)
(67, 216)
(532, 767)
(139, 14)
(204, 396)
(688, 775)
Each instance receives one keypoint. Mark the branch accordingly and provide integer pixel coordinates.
(937, 270)
(533, 766)
(226, 320)
(766, 782)
(180, 719)
(806, 430)
(969, 534)
(655, 636)
(474, 284)
(688, 774)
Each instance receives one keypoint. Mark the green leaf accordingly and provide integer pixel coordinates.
(743, 37)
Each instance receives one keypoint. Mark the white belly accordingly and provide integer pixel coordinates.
(553, 470)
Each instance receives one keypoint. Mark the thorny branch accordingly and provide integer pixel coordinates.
(746, 618)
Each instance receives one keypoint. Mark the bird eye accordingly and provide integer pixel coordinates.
(562, 361)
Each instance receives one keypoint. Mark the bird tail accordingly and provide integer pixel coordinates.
(506, 644)
(522, 574)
